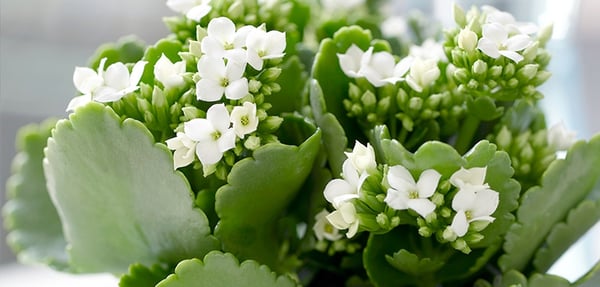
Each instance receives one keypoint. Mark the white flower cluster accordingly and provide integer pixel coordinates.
(225, 53)
(192, 9)
(380, 68)
(502, 35)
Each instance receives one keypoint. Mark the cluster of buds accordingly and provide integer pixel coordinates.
(378, 198)
(494, 55)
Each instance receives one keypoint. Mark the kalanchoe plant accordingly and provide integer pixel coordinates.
(287, 143)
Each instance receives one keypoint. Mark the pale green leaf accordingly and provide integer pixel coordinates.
(34, 228)
(118, 196)
(410, 263)
(142, 276)
(564, 184)
(223, 270)
(564, 234)
(258, 190)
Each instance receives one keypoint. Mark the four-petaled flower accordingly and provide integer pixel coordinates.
(404, 193)
(381, 69)
(338, 191)
(218, 78)
(362, 157)
(345, 217)
(213, 134)
(184, 148)
(263, 45)
(353, 60)
(324, 229)
(472, 205)
(223, 41)
(423, 72)
(244, 119)
(496, 42)
(169, 73)
(105, 86)
(193, 9)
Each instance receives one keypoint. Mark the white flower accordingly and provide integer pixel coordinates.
(324, 229)
(496, 42)
(213, 135)
(394, 27)
(496, 16)
(467, 40)
(193, 9)
(352, 61)
(223, 41)
(429, 49)
(345, 217)
(218, 79)
(560, 138)
(184, 148)
(472, 206)
(404, 193)
(336, 5)
(423, 72)
(471, 179)
(381, 68)
(362, 157)
(338, 191)
(169, 73)
(244, 119)
(105, 86)
(264, 45)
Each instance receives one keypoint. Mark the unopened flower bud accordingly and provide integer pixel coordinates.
(530, 52)
(236, 10)
(271, 124)
(459, 15)
(271, 74)
(461, 245)
(461, 75)
(527, 72)
(509, 70)
(478, 225)
(425, 231)
(449, 235)
(472, 84)
(415, 103)
(252, 142)
(354, 92)
(437, 199)
(383, 106)
(545, 34)
(512, 83)
(479, 68)
(541, 77)
(504, 138)
(467, 40)
(369, 100)
(383, 220)
(495, 71)
(195, 48)
(445, 212)
(474, 238)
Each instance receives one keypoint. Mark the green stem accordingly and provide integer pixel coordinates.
(466, 133)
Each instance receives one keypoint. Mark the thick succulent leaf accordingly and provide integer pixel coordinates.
(34, 228)
(564, 234)
(128, 49)
(484, 108)
(142, 276)
(118, 197)
(223, 270)
(258, 191)
(327, 72)
(334, 138)
(292, 82)
(515, 278)
(410, 263)
(439, 156)
(379, 270)
(564, 184)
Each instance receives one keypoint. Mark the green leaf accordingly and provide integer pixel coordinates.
(484, 108)
(223, 270)
(292, 81)
(118, 196)
(34, 228)
(326, 70)
(548, 280)
(128, 49)
(334, 138)
(410, 263)
(439, 156)
(169, 47)
(380, 271)
(564, 184)
(142, 276)
(258, 190)
(564, 234)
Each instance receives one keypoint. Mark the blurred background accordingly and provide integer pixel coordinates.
(41, 41)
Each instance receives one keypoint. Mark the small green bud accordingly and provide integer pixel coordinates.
(527, 72)
(545, 34)
(372, 118)
(429, 114)
(369, 100)
(530, 52)
(380, 197)
(525, 168)
(479, 68)
(356, 110)
(529, 91)
(504, 138)
(473, 84)
(270, 74)
(541, 77)
(540, 139)
(445, 212)
(395, 221)
(383, 220)
(425, 231)
(461, 75)
(449, 235)
(461, 246)
(196, 77)
(543, 58)
(261, 114)
(236, 10)
(474, 238)
(191, 112)
(433, 101)
(415, 103)
(509, 70)
(188, 57)
(383, 106)
(275, 87)
(195, 48)
(459, 58)
(221, 172)
(149, 118)
(495, 71)
(354, 92)
(200, 33)
(437, 199)
(229, 158)
(401, 98)
(254, 86)
(270, 124)
(467, 40)
(143, 104)
(459, 15)
(478, 225)
(512, 83)
(252, 142)
(444, 186)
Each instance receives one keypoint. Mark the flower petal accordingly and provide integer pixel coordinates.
(517, 42)
(198, 12)
(464, 199)
(222, 28)
(86, 80)
(208, 152)
(428, 183)
(400, 179)
(211, 68)
(512, 55)
(198, 129)
(488, 47)
(494, 32)
(117, 76)
(459, 223)
(237, 89)
(226, 141)
(422, 206)
(338, 191)
(219, 117)
(396, 199)
(486, 202)
(209, 90)
(78, 101)
(136, 73)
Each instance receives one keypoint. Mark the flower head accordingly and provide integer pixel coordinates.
(218, 78)
(472, 178)
(184, 148)
(496, 42)
(381, 69)
(404, 193)
(244, 119)
(471, 205)
(338, 191)
(223, 41)
(264, 45)
(345, 217)
(213, 134)
(352, 61)
(169, 73)
(324, 229)
(560, 138)
(105, 86)
(193, 9)
(423, 72)
(362, 157)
